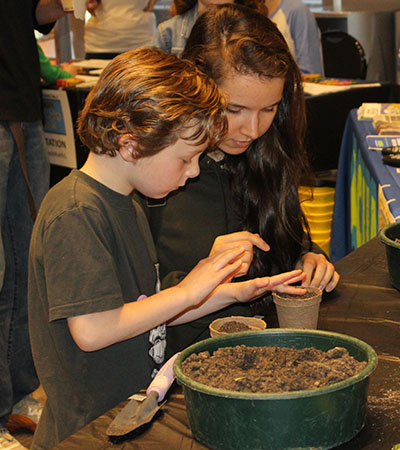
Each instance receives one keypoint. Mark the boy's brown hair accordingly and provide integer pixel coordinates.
(153, 96)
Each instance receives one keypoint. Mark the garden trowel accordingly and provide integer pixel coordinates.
(135, 414)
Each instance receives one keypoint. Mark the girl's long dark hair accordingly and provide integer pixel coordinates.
(266, 177)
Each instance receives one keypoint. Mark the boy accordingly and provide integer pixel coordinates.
(146, 123)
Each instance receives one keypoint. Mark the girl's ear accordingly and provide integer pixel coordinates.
(128, 147)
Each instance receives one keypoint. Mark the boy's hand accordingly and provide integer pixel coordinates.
(319, 272)
(249, 290)
(209, 273)
(243, 239)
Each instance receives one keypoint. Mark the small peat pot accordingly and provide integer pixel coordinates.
(298, 311)
(390, 236)
(233, 324)
(320, 418)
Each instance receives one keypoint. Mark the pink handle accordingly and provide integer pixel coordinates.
(163, 380)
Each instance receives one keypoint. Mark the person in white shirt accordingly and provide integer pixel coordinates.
(300, 30)
(116, 26)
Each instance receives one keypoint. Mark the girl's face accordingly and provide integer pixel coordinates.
(253, 103)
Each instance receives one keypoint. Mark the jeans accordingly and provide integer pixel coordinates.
(17, 373)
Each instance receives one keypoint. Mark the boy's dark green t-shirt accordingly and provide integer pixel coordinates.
(87, 255)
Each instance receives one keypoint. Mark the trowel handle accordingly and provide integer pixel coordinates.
(164, 378)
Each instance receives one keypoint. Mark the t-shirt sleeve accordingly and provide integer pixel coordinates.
(81, 275)
(307, 40)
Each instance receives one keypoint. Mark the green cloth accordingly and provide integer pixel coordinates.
(48, 71)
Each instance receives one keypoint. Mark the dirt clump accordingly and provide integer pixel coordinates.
(271, 369)
(233, 327)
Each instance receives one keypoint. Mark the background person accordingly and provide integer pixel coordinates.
(20, 110)
(171, 35)
(52, 72)
(116, 26)
(301, 32)
(250, 180)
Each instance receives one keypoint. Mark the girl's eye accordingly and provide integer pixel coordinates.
(271, 109)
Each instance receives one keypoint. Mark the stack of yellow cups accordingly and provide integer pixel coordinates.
(317, 204)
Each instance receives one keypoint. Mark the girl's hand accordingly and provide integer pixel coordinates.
(249, 290)
(209, 273)
(243, 239)
(319, 272)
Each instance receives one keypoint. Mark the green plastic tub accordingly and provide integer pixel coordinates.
(314, 419)
(388, 236)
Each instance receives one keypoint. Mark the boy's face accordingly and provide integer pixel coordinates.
(158, 175)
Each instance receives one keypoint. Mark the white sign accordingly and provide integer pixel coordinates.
(58, 128)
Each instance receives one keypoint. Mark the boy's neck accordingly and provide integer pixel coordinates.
(107, 170)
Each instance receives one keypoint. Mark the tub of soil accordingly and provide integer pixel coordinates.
(390, 236)
(235, 324)
(317, 417)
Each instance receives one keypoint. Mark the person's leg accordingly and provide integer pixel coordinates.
(20, 226)
(6, 306)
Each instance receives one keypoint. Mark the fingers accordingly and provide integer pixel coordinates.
(333, 283)
(319, 272)
(251, 289)
(243, 239)
(286, 278)
(241, 236)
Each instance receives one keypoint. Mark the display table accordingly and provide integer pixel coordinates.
(364, 305)
(367, 190)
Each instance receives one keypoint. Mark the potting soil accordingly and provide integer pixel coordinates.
(271, 369)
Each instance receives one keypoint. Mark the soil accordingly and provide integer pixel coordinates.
(271, 369)
(311, 292)
(234, 327)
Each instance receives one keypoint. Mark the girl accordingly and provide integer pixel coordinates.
(250, 181)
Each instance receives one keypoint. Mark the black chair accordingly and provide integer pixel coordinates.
(343, 55)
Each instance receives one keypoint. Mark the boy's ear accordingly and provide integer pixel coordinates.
(128, 147)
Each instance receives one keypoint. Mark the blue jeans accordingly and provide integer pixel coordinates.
(17, 373)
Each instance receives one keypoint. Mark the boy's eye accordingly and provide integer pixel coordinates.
(233, 110)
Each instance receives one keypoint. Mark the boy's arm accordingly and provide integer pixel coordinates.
(101, 329)
(187, 301)
(228, 293)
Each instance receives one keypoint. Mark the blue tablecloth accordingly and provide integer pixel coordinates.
(367, 190)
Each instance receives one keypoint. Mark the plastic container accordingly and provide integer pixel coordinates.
(325, 245)
(320, 418)
(327, 216)
(317, 208)
(388, 236)
(298, 311)
(254, 323)
(317, 194)
(320, 225)
(320, 236)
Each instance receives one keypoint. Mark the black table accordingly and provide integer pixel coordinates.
(364, 305)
